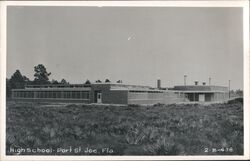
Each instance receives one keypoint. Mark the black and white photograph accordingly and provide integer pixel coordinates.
(102, 79)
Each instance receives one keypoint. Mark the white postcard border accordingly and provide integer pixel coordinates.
(236, 3)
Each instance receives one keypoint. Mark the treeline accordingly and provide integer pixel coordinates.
(41, 76)
(236, 93)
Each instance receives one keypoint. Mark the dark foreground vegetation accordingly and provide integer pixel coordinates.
(191, 129)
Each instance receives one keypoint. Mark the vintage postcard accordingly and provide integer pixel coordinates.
(124, 80)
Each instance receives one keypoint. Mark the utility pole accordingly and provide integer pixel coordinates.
(185, 84)
(209, 81)
(229, 88)
(185, 79)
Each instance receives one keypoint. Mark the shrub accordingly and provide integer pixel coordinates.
(236, 100)
(175, 129)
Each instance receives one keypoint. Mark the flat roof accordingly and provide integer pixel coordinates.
(54, 89)
(57, 86)
(121, 86)
(85, 85)
(200, 88)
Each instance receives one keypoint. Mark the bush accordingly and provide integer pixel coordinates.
(236, 100)
(133, 105)
(145, 130)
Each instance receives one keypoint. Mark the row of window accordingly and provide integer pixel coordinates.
(52, 94)
(133, 91)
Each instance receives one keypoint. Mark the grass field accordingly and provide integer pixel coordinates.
(183, 129)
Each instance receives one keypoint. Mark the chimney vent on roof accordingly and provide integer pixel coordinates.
(196, 83)
(158, 83)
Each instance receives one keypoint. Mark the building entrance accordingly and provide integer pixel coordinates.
(98, 96)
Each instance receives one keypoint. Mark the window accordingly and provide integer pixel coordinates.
(54, 94)
(18, 94)
(50, 94)
(73, 94)
(85, 94)
(25, 94)
(30, 94)
(78, 94)
(45, 94)
(41, 94)
(64, 94)
(14, 94)
(21, 94)
(58, 94)
(38, 94)
(67, 94)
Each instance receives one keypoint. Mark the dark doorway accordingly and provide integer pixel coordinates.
(98, 97)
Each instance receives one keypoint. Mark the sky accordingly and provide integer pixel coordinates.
(135, 44)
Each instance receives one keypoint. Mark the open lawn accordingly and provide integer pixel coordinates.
(74, 129)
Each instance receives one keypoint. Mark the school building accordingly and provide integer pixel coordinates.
(118, 93)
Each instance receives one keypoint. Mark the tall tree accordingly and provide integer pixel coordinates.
(63, 81)
(239, 93)
(107, 81)
(8, 88)
(17, 80)
(54, 81)
(27, 80)
(41, 75)
(87, 82)
(119, 81)
(98, 81)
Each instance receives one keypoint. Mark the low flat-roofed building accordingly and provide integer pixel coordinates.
(108, 93)
(118, 93)
(203, 93)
